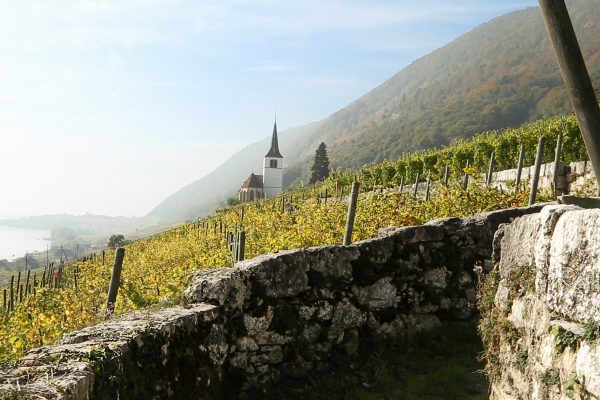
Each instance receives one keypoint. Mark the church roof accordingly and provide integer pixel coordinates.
(274, 150)
(253, 181)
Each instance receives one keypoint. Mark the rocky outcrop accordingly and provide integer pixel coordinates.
(275, 315)
(542, 329)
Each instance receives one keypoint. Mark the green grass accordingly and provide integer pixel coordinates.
(440, 365)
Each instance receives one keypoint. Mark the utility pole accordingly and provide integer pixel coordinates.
(575, 75)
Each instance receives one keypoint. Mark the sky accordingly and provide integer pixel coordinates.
(110, 106)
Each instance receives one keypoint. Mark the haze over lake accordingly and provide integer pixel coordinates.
(15, 242)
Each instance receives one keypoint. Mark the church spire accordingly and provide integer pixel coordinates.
(274, 150)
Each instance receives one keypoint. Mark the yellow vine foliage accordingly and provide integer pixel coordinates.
(156, 269)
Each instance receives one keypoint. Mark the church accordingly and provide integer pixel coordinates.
(271, 181)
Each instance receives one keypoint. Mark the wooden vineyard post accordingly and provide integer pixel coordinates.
(241, 245)
(416, 186)
(401, 183)
(427, 189)
(488, 179)
(4, 305)
(466, 178)
(536, 173)
(11, 306)
(446, 175)
(326, 195)
(18, 286)
(27, 282)
(351, 213)
(519, 168)
(576, 76)
(557, 162)
(115, 279)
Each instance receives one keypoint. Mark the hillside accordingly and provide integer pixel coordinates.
(501, 74)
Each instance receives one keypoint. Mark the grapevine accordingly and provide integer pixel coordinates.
(156, 269)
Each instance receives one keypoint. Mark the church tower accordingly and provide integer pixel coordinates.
(273, 168)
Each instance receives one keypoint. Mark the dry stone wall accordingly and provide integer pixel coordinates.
(547, 306)
(272, 317)
(577, 178)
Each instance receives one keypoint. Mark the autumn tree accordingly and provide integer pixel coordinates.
(320, 168)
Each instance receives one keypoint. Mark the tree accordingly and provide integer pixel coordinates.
(116, 240)
(320, 168)
(233, 201)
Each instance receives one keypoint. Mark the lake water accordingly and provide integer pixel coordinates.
(15, 242)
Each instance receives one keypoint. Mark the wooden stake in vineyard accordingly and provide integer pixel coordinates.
(446, 175)
(115, 279)
(416, 186)
(576, 76)
(488, 179)
(557, 162)
(466, 178)
(519, 167)
(536, 173)
(351, 213)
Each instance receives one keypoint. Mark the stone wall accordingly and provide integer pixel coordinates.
(543, 328)
(277, 315)
(577, 178)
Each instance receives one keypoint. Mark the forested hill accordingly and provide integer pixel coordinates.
(501, 74)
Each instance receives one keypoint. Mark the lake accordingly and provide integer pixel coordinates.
(15, 242)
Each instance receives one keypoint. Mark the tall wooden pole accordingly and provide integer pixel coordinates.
(115, 279)
(536, 174)
(575, 75)
(351, 213)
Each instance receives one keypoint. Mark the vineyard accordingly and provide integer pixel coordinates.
(155, 269)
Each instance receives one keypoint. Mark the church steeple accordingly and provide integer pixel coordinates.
(274, 150)
(273, 168)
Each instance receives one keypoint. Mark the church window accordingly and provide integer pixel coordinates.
(252, 195)
(273, 163)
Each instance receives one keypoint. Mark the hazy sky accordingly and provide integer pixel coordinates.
(110, 106)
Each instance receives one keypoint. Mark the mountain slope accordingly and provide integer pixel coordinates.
(202, 196)
(501, 74)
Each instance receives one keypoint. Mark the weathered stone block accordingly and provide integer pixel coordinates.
(382, 294)
(345, 316)
(424, 233)
(225, 287)
(332, 261)
(278, 275)
(574, 266)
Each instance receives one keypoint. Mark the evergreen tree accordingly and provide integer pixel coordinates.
(320, 168)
